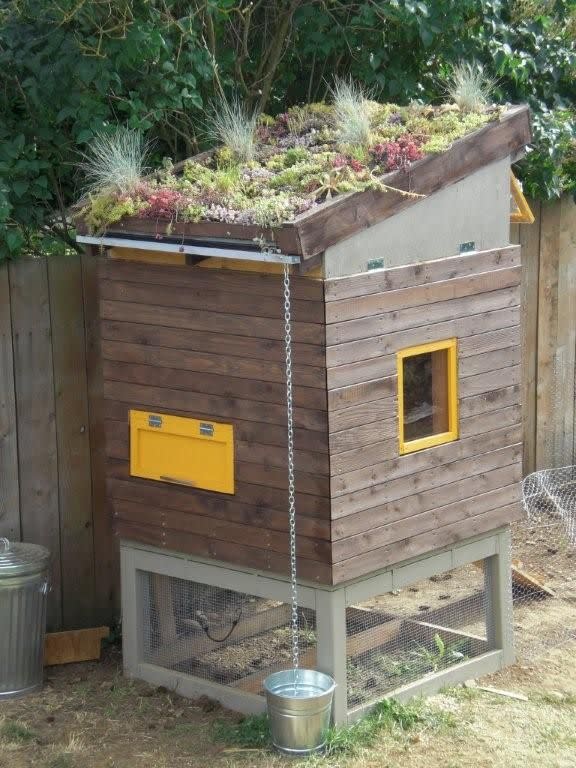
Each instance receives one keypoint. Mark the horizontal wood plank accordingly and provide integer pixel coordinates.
(412, 485)
(428, 541)
(384, 343)
(362, 392)
(415, 317)
(202, 320)
(165, 496)
(344, 310)
(374, 473)
(221, 408)
(364, 413)
(248, 493)
(225, 386)
(208, 299)
(394, 278)
(401, 510)
(370, 444)
(427, 520)
(223, 551)
(246, 431)
(221, 345)
(223, 530)
(250, 283)
(384, 365)
(217, 364)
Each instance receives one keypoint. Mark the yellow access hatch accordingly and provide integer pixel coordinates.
(173, 449)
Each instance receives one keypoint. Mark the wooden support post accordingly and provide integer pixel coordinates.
(331, 644)
(132, 627)
(498, 583)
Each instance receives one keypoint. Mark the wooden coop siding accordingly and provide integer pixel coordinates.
(387, 507)
(209, 344)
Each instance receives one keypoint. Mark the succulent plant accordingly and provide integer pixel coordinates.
(287, 164)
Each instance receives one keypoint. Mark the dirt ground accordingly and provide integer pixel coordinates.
(89, 716)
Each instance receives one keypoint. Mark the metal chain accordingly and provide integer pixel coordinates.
(291, 483)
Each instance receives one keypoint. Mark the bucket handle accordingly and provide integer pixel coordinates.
(5, 543)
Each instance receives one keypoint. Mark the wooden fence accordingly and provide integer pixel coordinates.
(51, 431)
(549, 342)
(51, 472)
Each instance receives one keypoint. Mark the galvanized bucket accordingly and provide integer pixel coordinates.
(23, 590)
(299, 708)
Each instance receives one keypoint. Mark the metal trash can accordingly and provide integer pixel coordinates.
(23, 591)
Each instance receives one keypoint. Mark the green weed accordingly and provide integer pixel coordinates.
(388, 716)
(16, 733)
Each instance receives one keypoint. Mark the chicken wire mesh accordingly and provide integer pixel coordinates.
(217, 634)
(397, 638)
(544, 559)
(544, 543)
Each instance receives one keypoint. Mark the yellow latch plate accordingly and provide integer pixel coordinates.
(190, 452)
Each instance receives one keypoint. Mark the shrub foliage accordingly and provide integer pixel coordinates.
(70, 69)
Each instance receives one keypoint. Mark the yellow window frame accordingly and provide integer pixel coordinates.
(451, 347)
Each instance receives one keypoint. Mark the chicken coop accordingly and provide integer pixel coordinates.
(406, 339)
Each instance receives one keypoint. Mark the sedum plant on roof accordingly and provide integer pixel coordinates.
(268, 170)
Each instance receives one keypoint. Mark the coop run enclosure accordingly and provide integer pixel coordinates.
(406, 345)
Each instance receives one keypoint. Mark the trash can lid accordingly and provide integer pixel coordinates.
(19, 559)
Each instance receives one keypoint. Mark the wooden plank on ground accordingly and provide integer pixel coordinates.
(37, 447)
(253, 683)
(9, 486)
(73, 646)
(73, 439)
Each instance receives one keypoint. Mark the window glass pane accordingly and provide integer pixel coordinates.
(426, 410)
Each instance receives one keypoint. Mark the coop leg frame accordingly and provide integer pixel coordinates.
(329, 604)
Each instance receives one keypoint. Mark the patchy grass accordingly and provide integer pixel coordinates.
(88, 716)
(388, 717)
(15, 732)
(250, 732)
(61, 761)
